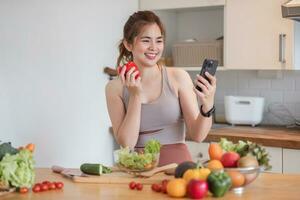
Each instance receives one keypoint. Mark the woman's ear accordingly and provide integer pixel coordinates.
(127, 45)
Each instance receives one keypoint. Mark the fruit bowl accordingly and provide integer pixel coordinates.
(242, 176)
(132, 161)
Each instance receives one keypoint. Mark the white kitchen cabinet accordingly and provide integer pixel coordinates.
(177, 4)
(200, 20)
(199, 151)
(252, 30)
(291, 161)
(275, 159)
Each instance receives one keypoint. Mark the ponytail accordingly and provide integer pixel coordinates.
(124, 55)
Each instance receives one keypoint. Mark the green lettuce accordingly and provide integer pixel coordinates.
(152, 146)
(139, 161)
(17, 170)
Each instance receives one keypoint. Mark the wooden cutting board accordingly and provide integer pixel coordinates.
(116, 176)
(120, 178)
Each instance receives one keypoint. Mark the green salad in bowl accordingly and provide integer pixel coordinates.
(138, 161)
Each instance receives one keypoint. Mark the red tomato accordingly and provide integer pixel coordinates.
(197, 189)
(23, 190)
(51, 186)
(59, 185)
(132, 185)
(38, 184)
(139, 186)
(128, 66)
(36, 188)
(156, 187)
(164, 185)
(44, 187)
(46, 182)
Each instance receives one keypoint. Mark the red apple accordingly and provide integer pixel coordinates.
(197, 189)
(230, 159)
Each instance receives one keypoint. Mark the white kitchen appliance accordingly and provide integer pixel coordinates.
(244, 110)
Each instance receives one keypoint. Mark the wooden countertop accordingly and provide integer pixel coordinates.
(266, 186)
(267, 136)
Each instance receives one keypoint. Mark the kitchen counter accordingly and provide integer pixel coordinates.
(272, 136)
(267, 136)
(266, 186)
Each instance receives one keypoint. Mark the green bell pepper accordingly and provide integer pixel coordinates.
(219, 183)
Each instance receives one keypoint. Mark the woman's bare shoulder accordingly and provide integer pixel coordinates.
(178, 74)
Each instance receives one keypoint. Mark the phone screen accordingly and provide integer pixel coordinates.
(209, 66)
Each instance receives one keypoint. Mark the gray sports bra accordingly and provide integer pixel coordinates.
(161, 119)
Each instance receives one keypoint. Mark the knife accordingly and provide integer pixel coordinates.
(67, 172)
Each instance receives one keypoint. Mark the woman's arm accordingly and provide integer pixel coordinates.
(197, 125)
(125, 125)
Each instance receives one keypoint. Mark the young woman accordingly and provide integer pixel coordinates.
(161, 103)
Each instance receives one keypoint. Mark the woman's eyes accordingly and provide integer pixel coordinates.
(147, 41)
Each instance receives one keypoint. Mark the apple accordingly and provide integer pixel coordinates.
(230, 159)
(197, 189)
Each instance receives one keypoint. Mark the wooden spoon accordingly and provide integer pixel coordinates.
(156, 170)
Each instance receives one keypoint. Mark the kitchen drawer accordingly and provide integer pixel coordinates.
(275, 159)
(291, 161)
(198, 150)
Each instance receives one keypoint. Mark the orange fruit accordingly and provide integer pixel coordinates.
(237, 178)
(214, 165)
(30, 147)
(176, 187)
(215, 151)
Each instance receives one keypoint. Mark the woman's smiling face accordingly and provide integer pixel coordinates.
(148, 46)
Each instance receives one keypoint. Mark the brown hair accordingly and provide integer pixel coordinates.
(133, 27)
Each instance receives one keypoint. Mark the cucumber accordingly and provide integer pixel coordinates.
(94, 169)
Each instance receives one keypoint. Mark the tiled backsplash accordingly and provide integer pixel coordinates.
(281, 90)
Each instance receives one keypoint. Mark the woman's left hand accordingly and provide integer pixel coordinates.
(208, 90)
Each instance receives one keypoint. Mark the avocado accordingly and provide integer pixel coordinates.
(184, 166)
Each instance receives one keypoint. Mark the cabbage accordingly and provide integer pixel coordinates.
(17, 170)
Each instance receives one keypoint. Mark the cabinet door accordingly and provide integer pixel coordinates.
(252, 35)
(291, 161)
(275, 159)
(199, 151)
(177, 4)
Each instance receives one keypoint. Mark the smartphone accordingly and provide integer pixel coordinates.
(209, 66)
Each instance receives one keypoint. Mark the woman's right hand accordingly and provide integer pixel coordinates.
(128, 79)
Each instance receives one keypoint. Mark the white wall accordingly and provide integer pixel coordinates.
(297, 45)
(282, 95)
(52, 55)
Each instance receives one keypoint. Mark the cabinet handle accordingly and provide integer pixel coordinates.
(282, 37)
(199, 155)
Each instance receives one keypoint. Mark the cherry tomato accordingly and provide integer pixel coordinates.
(44, 187)
(156, 187)
(59, 185)
(46, 182)
(38, 184)
(139, 186)
(23, 190)
(36, 188)
(132, 185)
(51, 186)
(164, 186)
